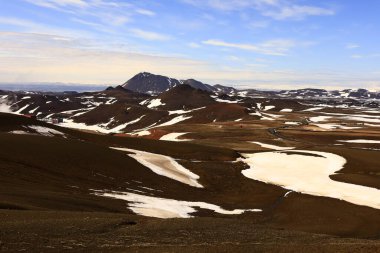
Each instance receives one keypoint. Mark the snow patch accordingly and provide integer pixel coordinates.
(184, 112)
(335, 126)
(175, 121)
(308, 172)
(293, 123)
(173, 137)
(21, 109)
(4, 107)
(165, 166)
(319, 118)
(167, 208)
(361, 141)
(313, 109)
(46, 131)
(269, 107)
(142, 133)
(269, 146)
(34, 110)
(155, 103)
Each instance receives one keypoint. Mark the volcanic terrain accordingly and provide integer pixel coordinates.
(161, 165)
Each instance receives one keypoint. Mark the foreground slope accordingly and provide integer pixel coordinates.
(60, 173)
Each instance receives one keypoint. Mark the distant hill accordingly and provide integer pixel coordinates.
(152, 84)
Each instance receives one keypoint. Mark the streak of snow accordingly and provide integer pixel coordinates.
(33, 110)
(269, 107)
(184, 112)
(167, 208)
(335, 126)
(227, 101)
(21, 109)
(361, 141)
(165, 166)
(173, 137)
(142, 133)
(319, 118)
(269, 146)
(174, 121)
(69, 123)
(120, 127)
(313, 109)
(46, 131)
(292, 123)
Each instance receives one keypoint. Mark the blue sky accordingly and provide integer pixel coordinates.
(266, 44)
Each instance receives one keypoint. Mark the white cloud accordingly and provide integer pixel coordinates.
(276, 9)
(106, 12)
(148, 35)
(258, 24)
(194, 45)
(366, 56)
(231, 5)
(33, 27)
(352, 46)
(55, 4)
(272, 47)
(146, 12)
(51, 60)
(233, 58)
(297, 12)
(43, 58)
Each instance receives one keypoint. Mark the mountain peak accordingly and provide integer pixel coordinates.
(149, 83)
(145, 82)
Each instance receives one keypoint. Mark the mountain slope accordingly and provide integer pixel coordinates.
(155, 84)
(150, 84)
(199, 85)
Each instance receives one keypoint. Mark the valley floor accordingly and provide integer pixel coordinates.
(252, 185)
(56, 231)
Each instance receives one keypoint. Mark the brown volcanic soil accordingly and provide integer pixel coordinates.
(51, 231)
(45, 187)
(219, 112)
(185, 97)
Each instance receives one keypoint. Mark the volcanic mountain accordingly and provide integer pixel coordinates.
(94, 171)
(155, 84)
(150, 84)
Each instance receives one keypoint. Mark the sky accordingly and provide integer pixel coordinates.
(264, 44)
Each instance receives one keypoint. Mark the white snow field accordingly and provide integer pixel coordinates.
(4, 107)
(173, 137)
(46, 131)
(269, 107)
(164, 165)
(335, 126)
(166, 208)
(184, 111)
(308, 172)
(293, 123)
(152, 103)
(174, 121)
(269, 146)
(69, 123)
(361, 141)
(313, 109)
(319, 118)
